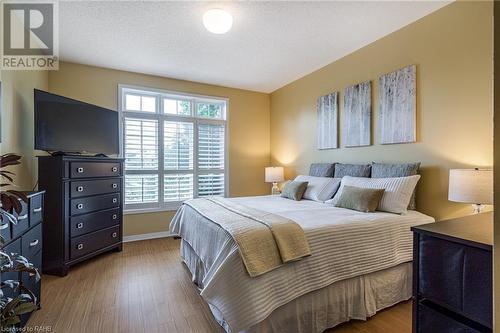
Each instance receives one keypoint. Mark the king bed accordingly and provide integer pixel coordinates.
(359, 263)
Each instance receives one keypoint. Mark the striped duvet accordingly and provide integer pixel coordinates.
(344, 244)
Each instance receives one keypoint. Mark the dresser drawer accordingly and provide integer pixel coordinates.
(83, 224)
(30, 281)
(92, 204)
(83, 245)
(36, 209)
(22, 221)
(32, 241)
(14, 247)
(457, 277)
(94, 169)
(5, 231)
(431, 320)
(93, 187)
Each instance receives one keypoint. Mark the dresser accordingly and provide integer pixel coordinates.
(25, 238)
(83, 209)
(452, 275)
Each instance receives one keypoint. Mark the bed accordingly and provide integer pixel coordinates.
(360, 264)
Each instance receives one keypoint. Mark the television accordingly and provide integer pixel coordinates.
(65, 125)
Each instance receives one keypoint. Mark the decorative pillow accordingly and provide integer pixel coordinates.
(396, 196)
(387, 170)
(361, 199)
(353, 170)
(294, 190)
(321, 169)
(319, 188)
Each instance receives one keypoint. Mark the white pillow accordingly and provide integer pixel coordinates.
(397, 194)
(319, 188)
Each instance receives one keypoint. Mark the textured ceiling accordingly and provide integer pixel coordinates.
(270, 45)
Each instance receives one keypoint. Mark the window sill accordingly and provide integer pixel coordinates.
(150, 210)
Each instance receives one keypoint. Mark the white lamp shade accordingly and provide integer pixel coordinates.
(474, 186)
(274, 174)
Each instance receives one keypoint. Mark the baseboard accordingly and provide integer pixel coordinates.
(152, 235)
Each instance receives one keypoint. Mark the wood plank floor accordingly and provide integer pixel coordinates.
(146, 288)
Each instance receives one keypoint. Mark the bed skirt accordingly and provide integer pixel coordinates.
(355, 298)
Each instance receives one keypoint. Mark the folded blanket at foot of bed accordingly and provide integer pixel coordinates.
(265, 241)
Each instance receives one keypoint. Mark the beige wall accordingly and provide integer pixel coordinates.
(17, 120)
(452, 49)
(249, 149)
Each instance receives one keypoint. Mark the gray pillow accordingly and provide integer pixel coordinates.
(390, 170)
(353, 170)
(321, 169)
(294, 190)
(361, 199)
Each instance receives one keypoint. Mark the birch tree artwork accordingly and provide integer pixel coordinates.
(357, 115)
(397, 106)
(327, 108)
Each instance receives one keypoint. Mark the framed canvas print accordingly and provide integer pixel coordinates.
(357, 115)
(397, 106)
(327, 108)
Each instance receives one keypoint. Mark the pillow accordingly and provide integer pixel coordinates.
(396, 196)
(294, 190)
(387, 170)
(353, 170)
(321, 169)
(319, 188)
(361, 199)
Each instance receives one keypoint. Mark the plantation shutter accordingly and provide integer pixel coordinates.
(211, 162)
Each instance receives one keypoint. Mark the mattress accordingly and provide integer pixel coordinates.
(344, 244)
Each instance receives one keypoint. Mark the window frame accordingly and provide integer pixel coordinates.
(161, 117)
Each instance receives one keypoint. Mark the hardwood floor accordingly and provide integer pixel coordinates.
(146, 288)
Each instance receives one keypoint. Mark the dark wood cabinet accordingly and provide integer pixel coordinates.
(452, 275)
(25, 238)
(84, 209)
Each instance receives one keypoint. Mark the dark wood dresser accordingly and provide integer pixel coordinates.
(83, 209)
(25, 238)
(452, 275)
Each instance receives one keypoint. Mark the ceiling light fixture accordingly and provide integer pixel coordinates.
(217, 21)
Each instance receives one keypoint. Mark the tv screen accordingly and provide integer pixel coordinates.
(66, 125)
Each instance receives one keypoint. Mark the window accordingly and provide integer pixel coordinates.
(174, 147)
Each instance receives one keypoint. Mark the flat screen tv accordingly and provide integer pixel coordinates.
(70, 126)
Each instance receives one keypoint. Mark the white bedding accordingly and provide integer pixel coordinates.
(344, 244)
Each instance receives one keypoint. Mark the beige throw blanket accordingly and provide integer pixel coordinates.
(265, 240)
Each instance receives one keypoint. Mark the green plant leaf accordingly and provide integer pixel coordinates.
(25, 308)
(11, 321)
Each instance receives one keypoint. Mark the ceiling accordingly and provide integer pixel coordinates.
(270, 45)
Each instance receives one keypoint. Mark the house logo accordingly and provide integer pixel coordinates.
(29, 35)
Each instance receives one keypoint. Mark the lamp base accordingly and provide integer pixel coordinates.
(477, 208)
(275, 189)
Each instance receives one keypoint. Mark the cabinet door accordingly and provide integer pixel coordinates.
(431, 321)
(14, 247)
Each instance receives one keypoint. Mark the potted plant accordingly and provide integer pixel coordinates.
(11, 308)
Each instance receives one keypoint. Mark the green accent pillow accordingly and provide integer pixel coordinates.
(294, 190)
(361, 199)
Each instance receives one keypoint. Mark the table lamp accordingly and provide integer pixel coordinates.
(274, 175)
(474, 186)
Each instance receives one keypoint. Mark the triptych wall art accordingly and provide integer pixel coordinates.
(396, 117)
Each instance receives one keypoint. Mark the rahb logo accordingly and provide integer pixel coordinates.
(29, 35)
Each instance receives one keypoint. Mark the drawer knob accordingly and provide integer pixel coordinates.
(37, 210)
(114, 235)
(79, 189)
(115, 200)
(79, 246)
(115, 185)
(79, 170)
(79, 225)
(22, 217)
(115, 216)
(79, 206)
(34, 243)
(6, 225)
(114, 169)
